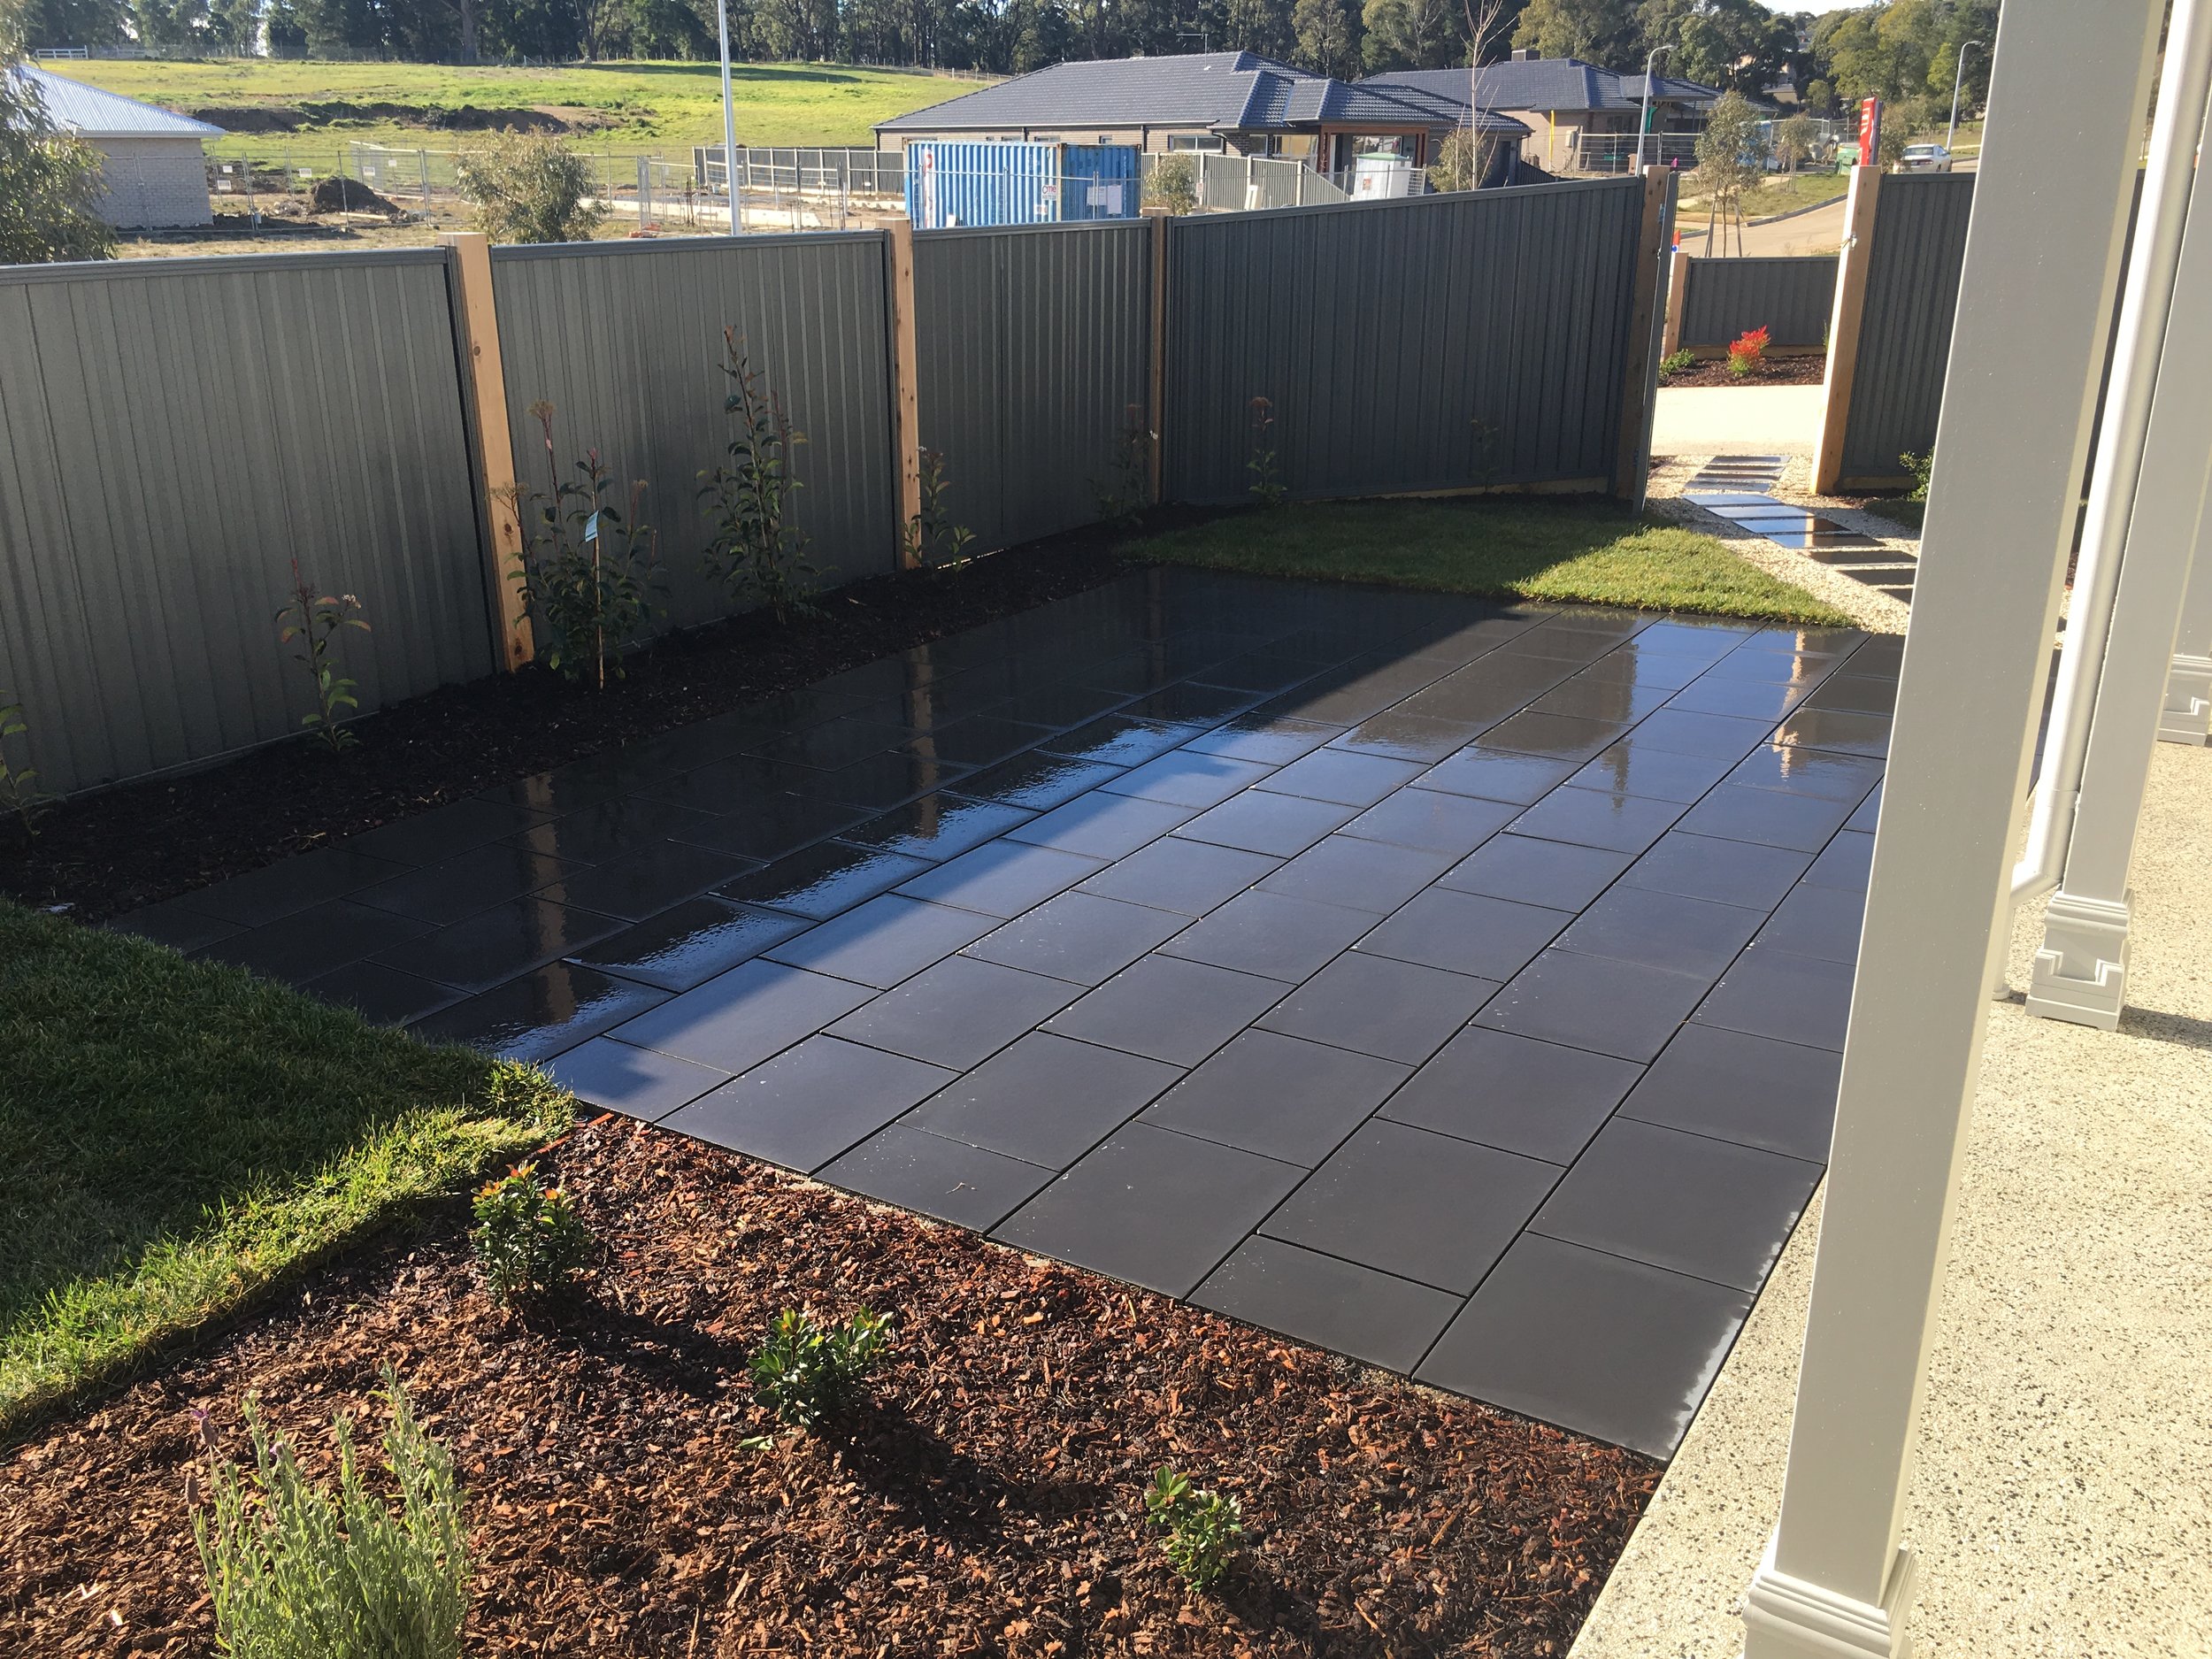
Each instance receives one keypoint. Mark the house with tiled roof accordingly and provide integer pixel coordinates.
(1237, 102)
(153, 166)
(1579, 118)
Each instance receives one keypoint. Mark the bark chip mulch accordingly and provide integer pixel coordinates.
(985, 1500)
(1806, 371)
(102, 854)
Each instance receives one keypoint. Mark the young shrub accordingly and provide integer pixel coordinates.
(805, 1371)
(1122, 496)
(930, 538)
(526, 187)
(1676, 363)
(315, 622)
(1747, 352)
(588, 570)
(1267, 487)
(293, 1569)
(1172, 184)
(1202, 1527)
(529, 1239)
(19, 793)
(757, 553)
(1921, 466)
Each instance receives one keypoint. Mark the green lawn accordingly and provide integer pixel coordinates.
(1778, 193)
(1584, 551)
(179, 1136)
(629, 107)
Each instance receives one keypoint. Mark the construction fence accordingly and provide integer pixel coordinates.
(174, 432)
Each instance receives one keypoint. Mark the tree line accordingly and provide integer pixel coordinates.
(1902, 50)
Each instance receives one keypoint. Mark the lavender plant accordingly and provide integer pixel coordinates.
(296, 1570)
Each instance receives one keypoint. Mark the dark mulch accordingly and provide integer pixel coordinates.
(106, 853)
(986, 1500)
(1775, 372)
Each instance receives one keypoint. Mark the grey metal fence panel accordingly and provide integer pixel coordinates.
(1790, 297)
(1033, 349)
(624, 341)
(1912, 290)
(173, 433)
(1438, 344)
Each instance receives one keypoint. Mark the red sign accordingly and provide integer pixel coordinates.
(1869, 130)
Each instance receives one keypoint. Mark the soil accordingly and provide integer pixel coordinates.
(102, 854)
(1806, 371)
(348, 195)
(984, 1498)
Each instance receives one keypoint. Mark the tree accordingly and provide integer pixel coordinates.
(1820, 98)
(526, 187)
(1727, 162)
(1727, 44)
(46, 24)
(1410, 35)
(1793, 140)
(1328, 37)
(50, 180)
(1602, 32)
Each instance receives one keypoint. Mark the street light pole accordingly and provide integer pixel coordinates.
(1958, 80)
(729, 122)
(1644, 126)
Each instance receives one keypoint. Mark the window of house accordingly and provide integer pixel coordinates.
(1398, 145)
(1194, 141)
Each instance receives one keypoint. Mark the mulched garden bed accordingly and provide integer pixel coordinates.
(985, 1500)
(1775, 372)
(102, 854)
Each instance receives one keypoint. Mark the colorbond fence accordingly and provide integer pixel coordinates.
(1441, 343)
(1033, 346)
(1912, 287)
(624, 341)
(172, 433)
(1722, 299)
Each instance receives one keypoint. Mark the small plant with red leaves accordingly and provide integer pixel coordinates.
(1747, 353)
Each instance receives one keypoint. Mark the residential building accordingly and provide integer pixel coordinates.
(154, 168)
(1579, 118)
(1236, 103)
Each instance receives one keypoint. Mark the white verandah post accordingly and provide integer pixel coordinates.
(2187, 716)
(2081, 970)
(2067, 97)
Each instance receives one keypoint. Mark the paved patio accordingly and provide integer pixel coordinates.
(1457, 986)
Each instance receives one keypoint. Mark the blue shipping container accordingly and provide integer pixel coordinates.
(953, 184)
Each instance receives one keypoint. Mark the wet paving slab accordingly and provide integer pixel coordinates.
(1459, 985)
(1739, 489)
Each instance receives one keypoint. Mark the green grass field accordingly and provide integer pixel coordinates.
(628, 108)
(1576, 551)
(182, 1136)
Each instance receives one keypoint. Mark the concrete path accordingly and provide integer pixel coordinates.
(2060, 1507)
(1708, 420)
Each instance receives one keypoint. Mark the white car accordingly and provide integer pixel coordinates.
(1925, 158)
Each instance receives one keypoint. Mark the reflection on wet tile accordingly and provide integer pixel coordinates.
(1117, 740)
(824, 879)
(541, 1014)
(1037, 781)
(689, 943)
(936, 826)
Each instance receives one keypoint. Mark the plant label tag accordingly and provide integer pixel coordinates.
(591, 529)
